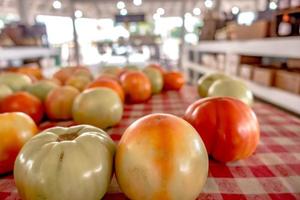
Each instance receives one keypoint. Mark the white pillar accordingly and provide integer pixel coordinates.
(75, 36)
(23, 11)
(182, 34)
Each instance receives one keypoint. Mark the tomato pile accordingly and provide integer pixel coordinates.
(53, 134)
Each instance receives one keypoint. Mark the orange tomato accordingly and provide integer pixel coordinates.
(108, 83)
(23, 102)
(161, 156)
(65, 73)
(16, 129)
(228, 127)
(173, 80)
(59, 102)
(31, 71)
(137, 87)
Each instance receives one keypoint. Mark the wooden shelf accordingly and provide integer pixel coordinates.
(287, 47)
(19, 53)
(281, 98)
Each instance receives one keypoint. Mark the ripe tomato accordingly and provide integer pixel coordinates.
(65, 73)
(23, 102)
(161, 157)
(173, 81)
(228, 127)
(137, 86)
(16, 129)
(108, 83)
(59, 102)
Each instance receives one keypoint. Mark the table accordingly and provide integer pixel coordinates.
(273, 172)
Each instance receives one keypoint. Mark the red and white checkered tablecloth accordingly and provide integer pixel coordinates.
(273, 172)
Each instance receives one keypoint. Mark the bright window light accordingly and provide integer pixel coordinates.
(137, 2)
(272, 5)
(123, 12)
(197, 11)
(208, 3)
(156, 16)
(78, 13)
(246, 18)
(235, 10)
(121, 5)
(187, 15)
(160, 11)
(56, 4)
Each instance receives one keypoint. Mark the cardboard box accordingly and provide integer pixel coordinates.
(264, 76)
(259, 29)
(293, 63)
(289, 81)
(246, 71)
(209, 60)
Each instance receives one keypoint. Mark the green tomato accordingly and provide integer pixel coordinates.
(41, 88)
(207, 80)
(156, 79)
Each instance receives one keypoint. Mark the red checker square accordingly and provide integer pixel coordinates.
(241, 172)
(115, 137)
(228, 185)
(295, 168)
(261, 171)
(4, 195)
(116, 196)
(209, 196)
(277, 148)
(282, 170)
(282, 196)
(272, 185)
(258, 197)
(233, 196)
(220, 171)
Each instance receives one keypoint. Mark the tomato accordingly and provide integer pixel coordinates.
(16, 129)
(155, 78)
(23, 102)
(41, 88)
(228, 127)
(65, 163)
(34, 71)
(4, 91)
(65, 73)
(99, 107)
(108, 83)
(173, 81)
(78, 81)
(161, 156)
(157, 66)
(206, 81)
(59, 102)
(16, 82)
(137, 87)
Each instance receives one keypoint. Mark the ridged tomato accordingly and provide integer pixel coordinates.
(173, 80)
(23, 102)
(159, 157)
(16, 129)
(137, 87)
(228, 127)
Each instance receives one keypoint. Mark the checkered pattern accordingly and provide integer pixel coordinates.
(273, 172)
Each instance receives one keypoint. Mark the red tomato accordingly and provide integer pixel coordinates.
(228, 127)
(173, 81)
(23, 102)
(158, 66)
(59, 102)
(137, 86)
(16, 129)
(108, 83)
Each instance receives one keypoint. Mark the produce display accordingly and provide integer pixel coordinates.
(228, 127)
(161, 156)
(16, 129)
(65, 163)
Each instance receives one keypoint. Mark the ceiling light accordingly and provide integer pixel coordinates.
(272, 5)
(235, 10)
(197, 11)
(160, 11)
(208, 3)
(56, 4)
(187, 15)
(78, 13)
(123, 12)
(120, 5)
(156, 16)
(137, 2)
